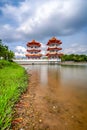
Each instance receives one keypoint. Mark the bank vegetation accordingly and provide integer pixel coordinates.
(13, 82)
(74, 57)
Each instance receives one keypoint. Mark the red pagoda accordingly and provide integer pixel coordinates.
(33, 50)
(53, 48)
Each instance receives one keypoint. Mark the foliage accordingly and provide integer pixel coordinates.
(74, 57)
(13, 81)
(5, 53)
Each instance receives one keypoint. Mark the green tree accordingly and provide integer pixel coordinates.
(74, 57)
(5, 53)
(10, 55)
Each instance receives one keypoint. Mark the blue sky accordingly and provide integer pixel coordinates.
(24, 20)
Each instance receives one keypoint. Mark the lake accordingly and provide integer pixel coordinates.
(63, 93)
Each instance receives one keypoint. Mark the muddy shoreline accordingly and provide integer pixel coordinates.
(43, 109)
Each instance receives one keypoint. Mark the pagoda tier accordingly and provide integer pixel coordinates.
(33, 50)
(53, 40)
(33, 43)
(56, 55)
(53, 48)
(34, 55)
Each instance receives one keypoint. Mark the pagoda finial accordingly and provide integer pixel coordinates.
(53, 38)
(33, 40)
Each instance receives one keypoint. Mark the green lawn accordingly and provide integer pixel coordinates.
(13, 82)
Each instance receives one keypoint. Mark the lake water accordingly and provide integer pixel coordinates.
(65, 91)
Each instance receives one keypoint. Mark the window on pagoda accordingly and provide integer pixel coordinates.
(52, 51)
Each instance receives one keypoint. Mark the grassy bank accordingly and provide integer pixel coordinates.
(13, 82)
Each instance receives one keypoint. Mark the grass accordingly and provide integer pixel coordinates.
(13, 82)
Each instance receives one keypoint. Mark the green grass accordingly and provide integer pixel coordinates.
(13, 82)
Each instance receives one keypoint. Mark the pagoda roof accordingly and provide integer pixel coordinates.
(33, 50)
(54, 48)
(54, 40)
(33, 55)
(33, 42)
(54, 54)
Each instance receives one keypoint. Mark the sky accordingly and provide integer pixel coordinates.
(24, 20)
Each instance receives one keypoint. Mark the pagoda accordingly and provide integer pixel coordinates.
(54, 48)
(33, 50)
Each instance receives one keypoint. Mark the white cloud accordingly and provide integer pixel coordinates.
(74, 45)
(17, 13)
(42, 19)
(75, 48)
(43, 48)
(20, 51)
(17, 54)
(45, 18)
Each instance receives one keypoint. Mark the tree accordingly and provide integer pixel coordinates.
(5, 53)
(10, 55)
(74, 57)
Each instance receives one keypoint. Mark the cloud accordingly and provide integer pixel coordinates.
(19, 55)
(20, 51)
(11, 2)
(76, 49)
(42, 19)
(58, 18)
(43, 48)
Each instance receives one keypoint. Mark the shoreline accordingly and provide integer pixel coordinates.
(27, 111)
(48, 62)
(47, 107)
(73, 63)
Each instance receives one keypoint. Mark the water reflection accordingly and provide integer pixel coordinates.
(67, 86)
(49, 75)
(54, 75)
(74, 74)
(44, 75)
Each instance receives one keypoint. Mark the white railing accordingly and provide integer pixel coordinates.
(37, 60)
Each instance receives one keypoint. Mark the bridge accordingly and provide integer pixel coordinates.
(37, 61)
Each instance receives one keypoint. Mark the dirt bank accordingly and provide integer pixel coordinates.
(30, 111)
(38, 109)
